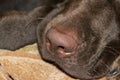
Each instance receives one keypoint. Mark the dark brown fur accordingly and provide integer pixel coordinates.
(96, 29)
(24, 5)
(86, 29)
(18, 28)
(19, 5)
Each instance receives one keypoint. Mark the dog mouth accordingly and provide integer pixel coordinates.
(99, 69)
(72, 67)
(95, 71)
(70, 62)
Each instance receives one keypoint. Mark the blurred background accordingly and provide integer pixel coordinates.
(24, 5)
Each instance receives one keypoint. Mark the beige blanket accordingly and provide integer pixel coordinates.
(26, 64)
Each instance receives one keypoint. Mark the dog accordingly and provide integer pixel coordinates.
(81, 37)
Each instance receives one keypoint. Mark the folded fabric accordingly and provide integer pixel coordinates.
(26, 64)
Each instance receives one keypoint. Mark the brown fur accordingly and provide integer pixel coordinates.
(20, 29)
(95, 23)
(89, 31)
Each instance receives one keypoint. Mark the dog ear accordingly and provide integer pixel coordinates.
(18, 30)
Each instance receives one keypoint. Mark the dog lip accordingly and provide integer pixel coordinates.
(77, 75)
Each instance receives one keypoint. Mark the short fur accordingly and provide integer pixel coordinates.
(95, 22)
(20, 29)
(98, 21)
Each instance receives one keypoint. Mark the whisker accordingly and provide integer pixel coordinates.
(114, 51)
(118, 52)
(109, 68)
(110, 51)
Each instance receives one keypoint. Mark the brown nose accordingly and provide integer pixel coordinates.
(60, 43)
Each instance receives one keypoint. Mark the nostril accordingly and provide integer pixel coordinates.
(60, 44)
(63, 52)
(61, 47)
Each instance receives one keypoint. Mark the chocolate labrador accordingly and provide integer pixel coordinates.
(81, 37)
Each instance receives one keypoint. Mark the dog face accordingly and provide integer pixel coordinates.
(81, 39)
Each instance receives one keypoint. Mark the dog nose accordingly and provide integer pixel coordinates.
(61, 44)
